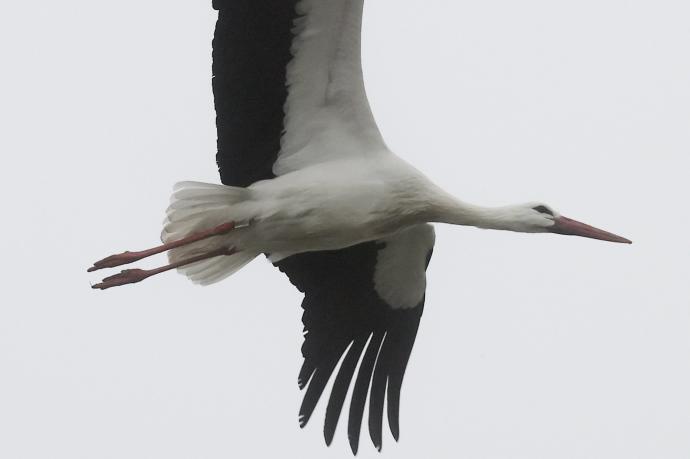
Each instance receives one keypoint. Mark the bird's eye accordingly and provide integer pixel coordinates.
(543, 210)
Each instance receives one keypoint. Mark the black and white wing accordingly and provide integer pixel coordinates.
(363, 303)
(287, 83)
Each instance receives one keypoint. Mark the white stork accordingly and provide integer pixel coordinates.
(308, 180)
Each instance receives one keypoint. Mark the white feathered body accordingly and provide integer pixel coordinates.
(326, 206)
(338, 204)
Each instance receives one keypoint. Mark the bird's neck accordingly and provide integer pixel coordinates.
(448, 209)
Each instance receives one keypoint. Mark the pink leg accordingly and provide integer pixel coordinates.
(130, 257)
(132, 276)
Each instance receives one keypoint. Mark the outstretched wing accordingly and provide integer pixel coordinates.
(288, 87)
(349, 311)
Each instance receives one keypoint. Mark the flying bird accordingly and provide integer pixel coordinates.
(308, 180)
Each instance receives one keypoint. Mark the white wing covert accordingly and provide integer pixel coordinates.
(327, 114)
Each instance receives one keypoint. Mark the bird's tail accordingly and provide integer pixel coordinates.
(196, 207)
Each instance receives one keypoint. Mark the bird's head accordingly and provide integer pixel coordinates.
(541, 218)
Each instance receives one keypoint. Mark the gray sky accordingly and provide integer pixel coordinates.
(531, 346)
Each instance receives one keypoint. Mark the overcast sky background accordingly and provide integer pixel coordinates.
(531, 346)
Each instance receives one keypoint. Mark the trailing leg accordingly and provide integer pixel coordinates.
(130, 257)
(132, 276)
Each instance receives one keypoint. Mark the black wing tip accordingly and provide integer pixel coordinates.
(329, 429)
(354, 444)
(328, 433)
(394, 424)
(378, 443)
(328, 437)
(396, 434)
(377, 439)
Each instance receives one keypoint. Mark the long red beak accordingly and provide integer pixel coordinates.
(565, 225)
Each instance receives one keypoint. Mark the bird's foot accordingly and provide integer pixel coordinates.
(128, 257)
(120, 259)
(128, 276)
(132, 276)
